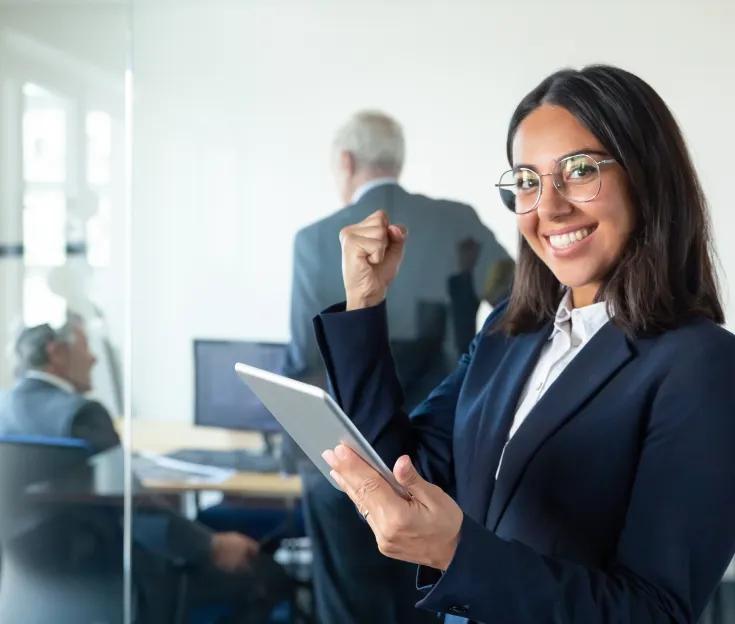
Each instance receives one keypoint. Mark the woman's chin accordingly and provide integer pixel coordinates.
(576, 281)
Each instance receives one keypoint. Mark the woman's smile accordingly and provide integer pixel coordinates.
(568, 241)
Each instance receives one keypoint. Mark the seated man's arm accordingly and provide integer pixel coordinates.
(93, 423)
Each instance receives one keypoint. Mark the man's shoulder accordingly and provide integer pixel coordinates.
(442, 209)
(92, 406)
(424, 206)
(47, 392)
(311, 233)
(440, 203)
(36, 407)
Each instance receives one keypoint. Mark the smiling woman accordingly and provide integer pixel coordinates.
(578, 465)
(577, 227)
(638, 196)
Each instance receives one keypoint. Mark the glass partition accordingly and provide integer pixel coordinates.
(63, 307)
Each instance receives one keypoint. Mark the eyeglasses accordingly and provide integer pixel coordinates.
(576, 178)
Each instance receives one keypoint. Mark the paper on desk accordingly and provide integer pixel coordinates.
(152, 467)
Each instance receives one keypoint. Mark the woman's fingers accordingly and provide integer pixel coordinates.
(371, 248)
(378, 217)
(362, 483)
(371, 255)
(423, 530)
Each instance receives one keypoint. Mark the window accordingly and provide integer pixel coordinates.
(45, 158)
(98, 127)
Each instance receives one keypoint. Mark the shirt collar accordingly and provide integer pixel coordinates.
(582, 322)
(52, 379)
(369, 186)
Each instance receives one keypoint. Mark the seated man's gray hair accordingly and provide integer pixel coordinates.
(31, 346)
(375, 141)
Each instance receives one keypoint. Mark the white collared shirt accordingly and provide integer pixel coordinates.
(573, 329)
(50, 378)
(369, 185)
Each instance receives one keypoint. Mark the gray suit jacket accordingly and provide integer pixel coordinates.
(435, 228)
(35, 407)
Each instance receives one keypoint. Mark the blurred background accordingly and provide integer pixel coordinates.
(157, 159)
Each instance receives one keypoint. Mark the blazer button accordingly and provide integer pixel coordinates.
(459, 609)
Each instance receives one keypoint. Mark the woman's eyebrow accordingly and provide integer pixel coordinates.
(591, 151)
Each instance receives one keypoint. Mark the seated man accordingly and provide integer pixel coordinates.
(54, 369)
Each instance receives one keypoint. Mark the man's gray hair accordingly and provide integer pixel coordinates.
(375, 141)
(31, 346)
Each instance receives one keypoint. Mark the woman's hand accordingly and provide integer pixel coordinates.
(371, 254)
(423, 530)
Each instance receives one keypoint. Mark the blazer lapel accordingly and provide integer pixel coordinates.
(606, 352)
(496, 417)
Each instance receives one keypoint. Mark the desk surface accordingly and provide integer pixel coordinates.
(161, 436)
(165, 437)
(249, 484)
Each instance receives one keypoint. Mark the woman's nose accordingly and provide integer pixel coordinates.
(552, 204)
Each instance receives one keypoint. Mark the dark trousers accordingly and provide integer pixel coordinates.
(252, 594)
(242, 598)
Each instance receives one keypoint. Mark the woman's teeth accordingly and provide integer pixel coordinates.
(562, 241)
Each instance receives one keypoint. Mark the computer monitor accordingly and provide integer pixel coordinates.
(221, 399)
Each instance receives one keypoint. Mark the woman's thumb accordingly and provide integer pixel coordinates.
(397, 233)
(407, 475)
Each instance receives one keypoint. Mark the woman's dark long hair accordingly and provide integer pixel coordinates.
(665, 274)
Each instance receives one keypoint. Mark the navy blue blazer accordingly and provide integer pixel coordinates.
(615, 501)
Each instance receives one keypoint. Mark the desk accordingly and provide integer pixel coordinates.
(246, 484)
(164, 437)
(161, 436)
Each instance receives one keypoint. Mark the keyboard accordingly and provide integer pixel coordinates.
(152, 467)
(239, 460)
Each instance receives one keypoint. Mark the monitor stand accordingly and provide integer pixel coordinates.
(271, 445)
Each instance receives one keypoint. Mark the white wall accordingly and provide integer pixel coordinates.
(236, 103)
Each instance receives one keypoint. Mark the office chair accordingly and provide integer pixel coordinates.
(58, 560)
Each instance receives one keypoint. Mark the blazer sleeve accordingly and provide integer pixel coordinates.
(678, 537)
(92, 423)
(363, 380)
(167, 533)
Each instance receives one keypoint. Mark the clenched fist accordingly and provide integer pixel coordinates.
(371, 254)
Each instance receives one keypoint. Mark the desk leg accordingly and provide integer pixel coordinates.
(189, 505)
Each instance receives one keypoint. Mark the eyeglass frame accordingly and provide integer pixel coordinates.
(541, 176)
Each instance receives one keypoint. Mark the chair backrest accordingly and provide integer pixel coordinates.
(47, 576)
(25, 459)
(44, 441)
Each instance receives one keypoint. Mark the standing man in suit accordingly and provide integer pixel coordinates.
(54, 369)
(451, 261)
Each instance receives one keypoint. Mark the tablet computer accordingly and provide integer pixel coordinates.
(313, 419)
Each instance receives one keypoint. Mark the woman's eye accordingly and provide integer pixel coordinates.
(526, 183)
(578, 169)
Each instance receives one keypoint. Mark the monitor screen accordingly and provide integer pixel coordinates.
(221, 398)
